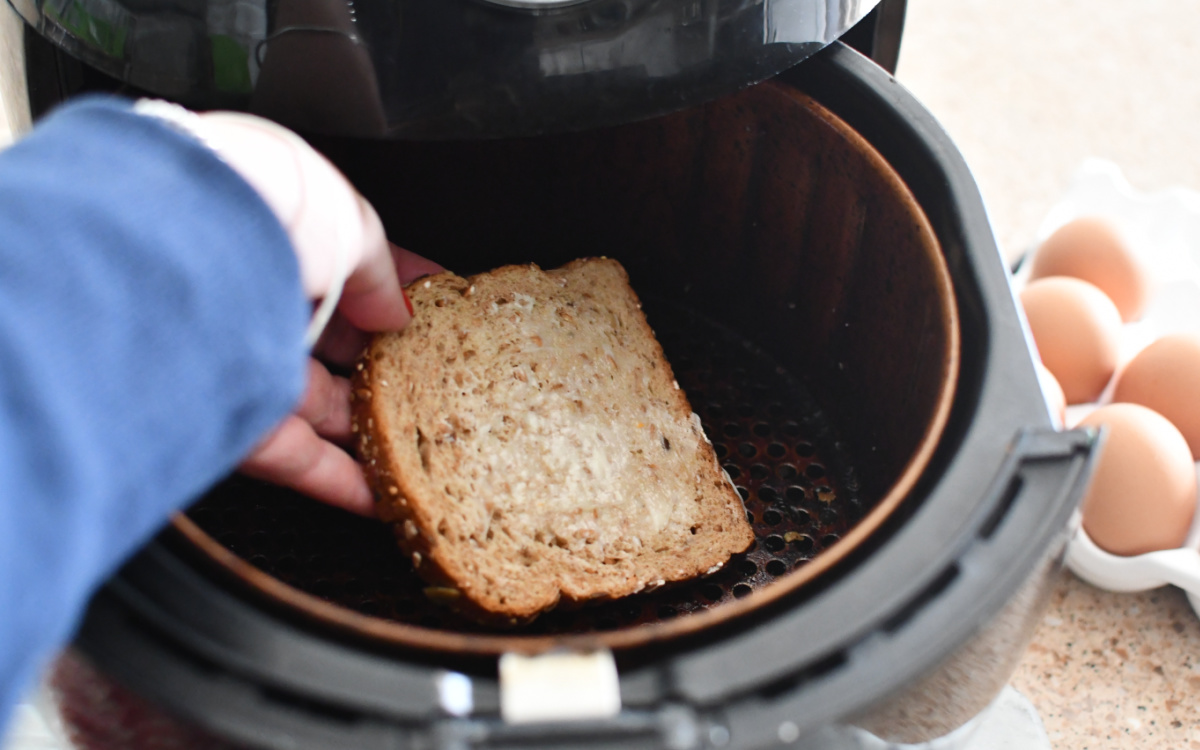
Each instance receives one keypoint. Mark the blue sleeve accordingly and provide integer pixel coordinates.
(151, 332)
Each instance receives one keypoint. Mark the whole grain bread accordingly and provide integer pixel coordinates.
(528, 440)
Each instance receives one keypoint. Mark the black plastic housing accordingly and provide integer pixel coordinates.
(966, 560)
(449, 69)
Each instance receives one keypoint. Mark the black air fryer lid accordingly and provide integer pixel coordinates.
(444, 68)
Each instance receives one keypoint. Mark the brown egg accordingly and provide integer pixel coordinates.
(1056, 401)
(1165, 376)
(1092, 249)
(1076, 329)
(1143, 493)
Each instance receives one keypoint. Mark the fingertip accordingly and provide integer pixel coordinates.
(362, 503)
(373, 299)
(410, 266)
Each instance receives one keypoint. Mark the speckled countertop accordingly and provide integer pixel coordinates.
(1115, 670)
(1028, 89)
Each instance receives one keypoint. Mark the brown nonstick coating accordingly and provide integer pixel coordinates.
(799, 293)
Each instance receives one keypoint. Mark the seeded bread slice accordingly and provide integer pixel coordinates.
(528, 440)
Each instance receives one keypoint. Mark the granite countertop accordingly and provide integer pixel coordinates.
(1028, 90)
(1119, 671)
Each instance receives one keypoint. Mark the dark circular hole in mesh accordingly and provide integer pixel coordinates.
(805, 449)
(759, 472)
(632, 610)
(318, 564)
(802, 543)
(733, 470)
(774, 543)
(287, 565)
(777, 567)
(829, 540)
(748, 450)
(732, 430)
(795, 494)
(772, 518)
(787, 472)
(815, 471)
(712, 592)
(721, 451)
(746, 567)
(742, 590)
(776, 450)
(767, 494)
(323, 587)
(854, 509)
(762, 430)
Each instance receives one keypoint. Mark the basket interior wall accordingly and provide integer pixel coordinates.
(760, 211)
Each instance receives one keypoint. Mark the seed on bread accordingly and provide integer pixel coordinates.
(542, 449)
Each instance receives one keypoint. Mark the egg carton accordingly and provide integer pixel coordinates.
(1163, 229)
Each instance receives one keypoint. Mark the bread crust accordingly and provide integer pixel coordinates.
(418, 418)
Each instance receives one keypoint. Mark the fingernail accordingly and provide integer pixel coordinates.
(407, 302)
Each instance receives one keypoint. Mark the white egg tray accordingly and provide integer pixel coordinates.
(1163, 229)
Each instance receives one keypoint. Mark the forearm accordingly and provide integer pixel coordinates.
(151, 326)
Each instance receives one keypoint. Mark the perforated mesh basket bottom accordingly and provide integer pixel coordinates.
(800, 495)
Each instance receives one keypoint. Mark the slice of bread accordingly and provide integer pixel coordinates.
(528, 440)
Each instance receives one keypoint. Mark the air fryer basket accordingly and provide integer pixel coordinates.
(797, 290)
(809, 280)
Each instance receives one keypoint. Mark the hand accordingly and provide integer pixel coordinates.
(328, 222)
(303, 452)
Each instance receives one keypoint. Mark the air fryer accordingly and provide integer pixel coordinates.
(816, 260)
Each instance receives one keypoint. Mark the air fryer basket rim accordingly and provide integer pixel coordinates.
(1001, 426)
(422, 638)
(831, 667)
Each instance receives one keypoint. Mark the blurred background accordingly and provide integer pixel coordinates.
(1028, 89)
